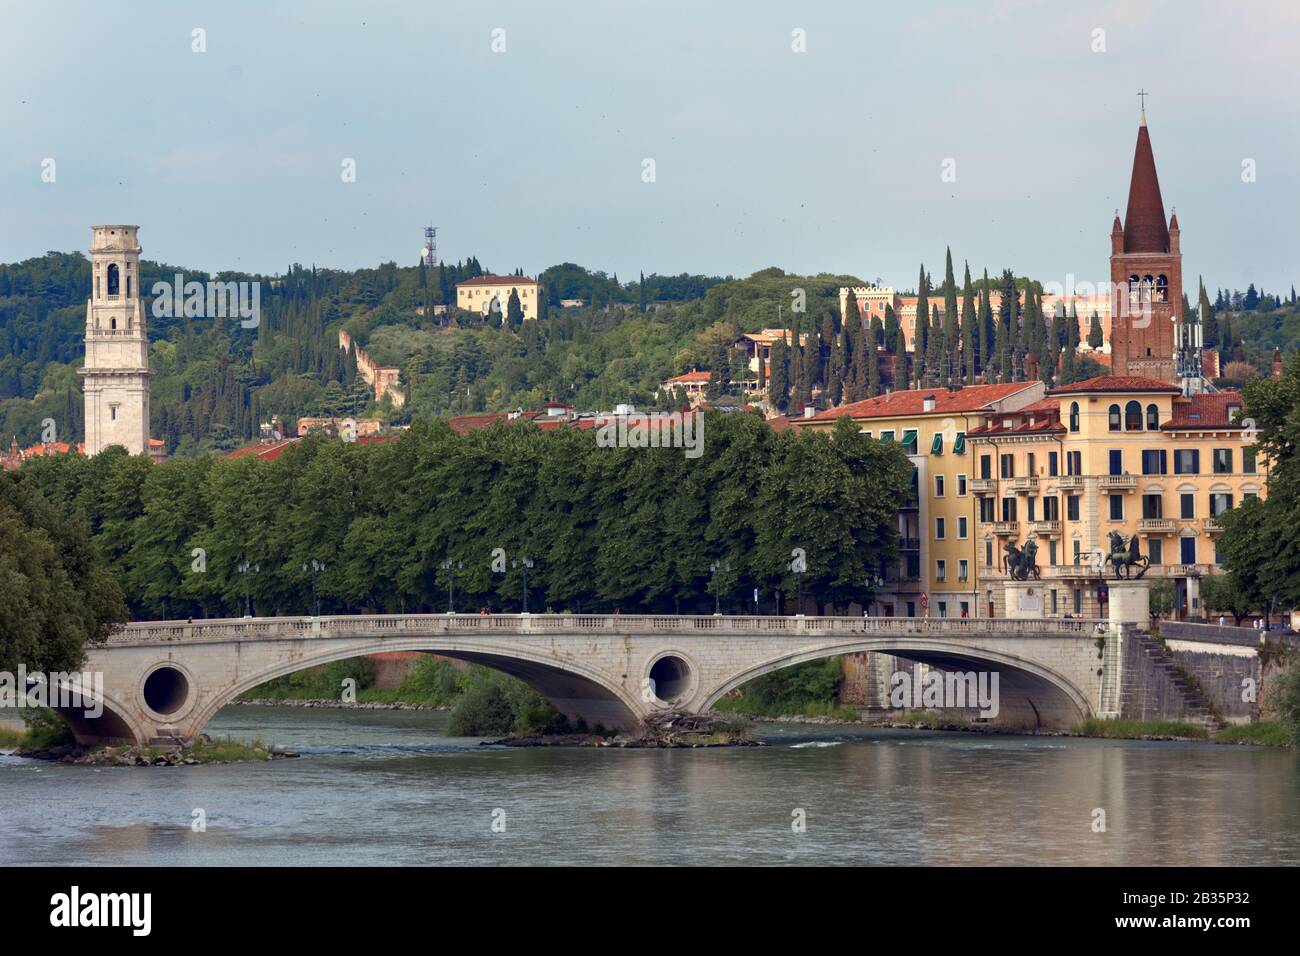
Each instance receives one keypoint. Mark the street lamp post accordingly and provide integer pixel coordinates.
(451, 567)
(524, 564)
(315, 567)
(717, 568)
(247, 569)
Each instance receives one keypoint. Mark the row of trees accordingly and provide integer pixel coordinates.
(852, 357)
(1261, 536)
(629, 528)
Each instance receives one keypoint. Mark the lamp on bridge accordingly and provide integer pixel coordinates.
(523, 564)
(315, 567)
(718, 568)
(247, 569)
(451, 567)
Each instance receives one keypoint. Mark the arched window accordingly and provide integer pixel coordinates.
(1134, 283)
(112, 279)
(112, 323)
(1114, 418)
(1074, 416)
(1132, 417)
(1153, 418)
(1162, 288)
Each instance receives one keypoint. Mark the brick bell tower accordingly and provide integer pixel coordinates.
(1146, 274)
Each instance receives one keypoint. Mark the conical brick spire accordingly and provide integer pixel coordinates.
(1145, 229)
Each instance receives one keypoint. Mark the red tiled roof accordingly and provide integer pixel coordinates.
(1040, 426)
(267, 451)
(1209, 410)
(1115, 383)
(972, 398)
(498, 280)
(695, 376)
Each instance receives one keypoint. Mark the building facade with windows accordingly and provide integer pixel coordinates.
(1123, 454)
(479, 294)
(938, 533)
(1062, 468)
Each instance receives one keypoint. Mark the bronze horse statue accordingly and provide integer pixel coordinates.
(1123, 558)
(1022, 564)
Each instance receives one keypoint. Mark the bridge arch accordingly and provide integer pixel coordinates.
(1044, 690)
(575, 689)
(117, 723)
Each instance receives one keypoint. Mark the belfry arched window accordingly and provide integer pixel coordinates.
(1153, 418)
(1113, 418)
(1132, 417)
(112, 279)
(1162, 288)
(1134, 284)
(1074, 416)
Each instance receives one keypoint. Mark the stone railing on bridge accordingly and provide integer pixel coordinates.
(525, 625)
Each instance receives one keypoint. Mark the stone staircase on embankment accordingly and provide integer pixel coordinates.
(1182, 699)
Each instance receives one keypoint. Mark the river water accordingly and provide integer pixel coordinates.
(390, 787)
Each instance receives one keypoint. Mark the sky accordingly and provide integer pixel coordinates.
(841, 137)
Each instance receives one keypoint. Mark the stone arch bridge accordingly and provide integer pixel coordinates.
(163, 681)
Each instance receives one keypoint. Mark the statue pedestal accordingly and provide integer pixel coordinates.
(1130, 602)
(1024, 600)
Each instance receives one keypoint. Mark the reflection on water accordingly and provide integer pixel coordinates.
(377, 787)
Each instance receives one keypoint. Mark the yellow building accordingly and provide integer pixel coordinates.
(479, 294)
(1065, 468)
(938, 567)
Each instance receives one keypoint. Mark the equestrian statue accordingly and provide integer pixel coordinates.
(1124, 557)
(1022, 564)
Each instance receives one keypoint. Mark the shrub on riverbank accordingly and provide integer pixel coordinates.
(810, 689)
(1265, 733)
(492, 703)
(1286, 700)
(1139, 729)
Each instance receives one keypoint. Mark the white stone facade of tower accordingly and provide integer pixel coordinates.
(116, 372)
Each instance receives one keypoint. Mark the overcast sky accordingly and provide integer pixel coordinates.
(829, 160)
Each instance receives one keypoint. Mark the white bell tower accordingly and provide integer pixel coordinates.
(116, 372)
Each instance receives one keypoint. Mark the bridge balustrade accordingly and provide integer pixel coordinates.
(524, 626)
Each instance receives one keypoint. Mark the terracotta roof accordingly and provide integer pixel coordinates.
(1145, 229)
(1209, 410)
(696, 376)
(265, 450)
(1115, 383)
(972, 398)
(498, 280)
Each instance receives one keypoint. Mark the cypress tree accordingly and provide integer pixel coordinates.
(968, 323)
(1095, 336)
(1209, 323)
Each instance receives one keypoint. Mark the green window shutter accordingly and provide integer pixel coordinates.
(887, 435)
(959, 446)
(909, 440)
(936, 446)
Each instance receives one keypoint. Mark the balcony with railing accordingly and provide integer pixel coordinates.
(1006, 527)
(1118, 482)
(1158, 525)
(981, 486)
(1024, 483)
(1211, 525)
(909, 544)
(1047, 527)
(1070, 482)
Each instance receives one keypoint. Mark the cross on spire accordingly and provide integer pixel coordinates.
(1142, 95)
